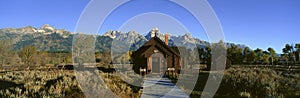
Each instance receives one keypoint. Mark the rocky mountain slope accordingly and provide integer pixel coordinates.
(48, 38)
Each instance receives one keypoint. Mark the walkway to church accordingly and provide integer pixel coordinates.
(156, 87)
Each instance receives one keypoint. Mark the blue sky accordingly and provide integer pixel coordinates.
(256, 23)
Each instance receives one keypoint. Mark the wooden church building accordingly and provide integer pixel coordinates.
(155, 56)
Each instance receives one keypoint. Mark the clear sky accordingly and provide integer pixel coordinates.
(255, 23)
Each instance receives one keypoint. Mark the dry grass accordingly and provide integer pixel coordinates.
(253, 82)
(58, 84)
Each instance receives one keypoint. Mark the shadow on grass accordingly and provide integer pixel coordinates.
(8, 84)
(200, 84)
(106, 70)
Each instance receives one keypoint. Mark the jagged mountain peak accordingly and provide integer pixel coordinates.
(23, 30)
(29, 27)
(46, 38)
(48, 27)
(112, 33)
(155, 32)
(188, 35)
(155, 28)
(132, 32)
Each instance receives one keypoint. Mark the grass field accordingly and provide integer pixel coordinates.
(58, 83)
(238, 81)
(251, 82)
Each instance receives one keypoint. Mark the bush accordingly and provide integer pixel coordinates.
(38, 84)
(208, 65)
(51, 84)
(256, 83)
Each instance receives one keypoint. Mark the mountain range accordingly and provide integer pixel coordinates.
(48, 38)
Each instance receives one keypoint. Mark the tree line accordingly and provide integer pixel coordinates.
(246, 56)
(29, 55)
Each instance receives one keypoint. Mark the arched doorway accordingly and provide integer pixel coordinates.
(158, 63)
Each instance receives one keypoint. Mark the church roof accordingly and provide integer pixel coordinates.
(158, 43)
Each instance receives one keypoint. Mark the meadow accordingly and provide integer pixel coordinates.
(58, 83)
(238, 81)
(249, 82)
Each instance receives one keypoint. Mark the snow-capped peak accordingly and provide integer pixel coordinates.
(48, 27)
(112, 34)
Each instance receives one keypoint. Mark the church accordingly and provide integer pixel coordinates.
(157, 57)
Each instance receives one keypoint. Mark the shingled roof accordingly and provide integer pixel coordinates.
(160, 43)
